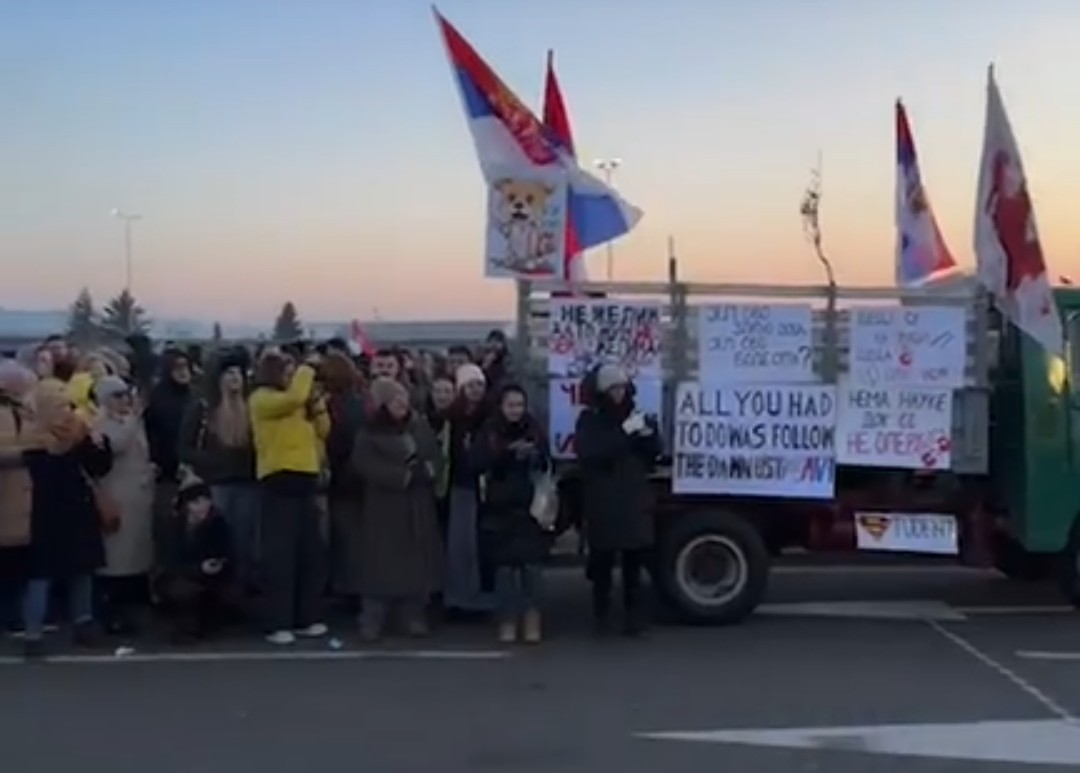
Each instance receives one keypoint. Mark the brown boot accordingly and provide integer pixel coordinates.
(533, 630)
(508, 632)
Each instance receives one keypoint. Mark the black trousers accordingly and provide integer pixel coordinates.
(294, 557)
(601, 571)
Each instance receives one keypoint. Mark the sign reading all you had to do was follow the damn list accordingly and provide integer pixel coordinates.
(769, 441)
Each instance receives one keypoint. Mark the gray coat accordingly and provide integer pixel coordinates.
(130, 483)
(615, 471)
(400, 550)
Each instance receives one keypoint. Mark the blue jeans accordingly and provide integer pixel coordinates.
(518, 589)
(238, 504)
(36, 603)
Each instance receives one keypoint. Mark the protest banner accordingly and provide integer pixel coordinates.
(564, 406)
(756, 343)
(905, 427)
(908, 346)
(526, 224)
(585, 333)
(933, 533)
(770, 441)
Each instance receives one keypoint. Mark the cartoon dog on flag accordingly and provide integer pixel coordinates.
(518, 213)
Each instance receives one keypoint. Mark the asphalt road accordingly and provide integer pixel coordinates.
(964, 648)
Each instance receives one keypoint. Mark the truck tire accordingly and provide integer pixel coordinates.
(1069, 569)
(712, 567)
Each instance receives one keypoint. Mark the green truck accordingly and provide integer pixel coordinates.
(1008, 497)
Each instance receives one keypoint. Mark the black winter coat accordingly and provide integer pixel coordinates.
(509, 535)
(615, 470)
(465, 426)
(65, 527)
(165, 411)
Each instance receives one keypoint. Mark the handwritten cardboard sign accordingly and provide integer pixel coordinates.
(756, 343)
(586, 333)
(564, 406)
(905, 427)
(769, 441)
(908, 346)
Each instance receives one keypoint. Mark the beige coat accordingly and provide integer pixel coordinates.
(130, 483)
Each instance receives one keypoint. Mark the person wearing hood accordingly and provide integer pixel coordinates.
(129, 551)
(510, 452)
(290, 424)
(65, 461)
(216, 444)
(164, 412)
(617, 447)
(467, 578)
(16, 383)
(397, 459)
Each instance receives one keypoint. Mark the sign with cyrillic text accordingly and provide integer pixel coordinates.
(908, 346)
(905, 427)
(768, 441)
(756, 343)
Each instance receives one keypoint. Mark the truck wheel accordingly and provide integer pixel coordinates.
(712, 567)
(1069, 571)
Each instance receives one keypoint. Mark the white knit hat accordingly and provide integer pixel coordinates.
(469, 374)
(609, 376)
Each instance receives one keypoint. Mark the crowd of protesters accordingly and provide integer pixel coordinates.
(259, 487)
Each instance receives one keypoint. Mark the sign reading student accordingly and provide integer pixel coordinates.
(585, 333)
(908, 346)
(906, 427)
(756, 343)
(564, 406)
(769, 441)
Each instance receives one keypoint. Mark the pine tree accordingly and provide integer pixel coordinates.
(287, 326)
(83, 323)
(123, 316)
(218, 335)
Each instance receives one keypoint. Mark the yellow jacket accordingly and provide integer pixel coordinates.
(80, 386)
(286, 439)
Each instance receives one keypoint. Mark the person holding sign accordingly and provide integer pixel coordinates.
(617, 447)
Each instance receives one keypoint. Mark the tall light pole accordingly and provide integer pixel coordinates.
(607, 167)
(128, 220)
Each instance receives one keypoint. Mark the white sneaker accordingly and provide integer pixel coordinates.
(281, 638)
(313, 631)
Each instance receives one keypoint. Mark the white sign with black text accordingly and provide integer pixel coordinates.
(564, 406)
(756, 343)
(933, 533)
(908, 346)
(768, 441)
(905, 427)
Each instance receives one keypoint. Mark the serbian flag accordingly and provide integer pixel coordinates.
(507, 134)
(361, 344)
(921, 254)
(1008, 253)
(557, 125)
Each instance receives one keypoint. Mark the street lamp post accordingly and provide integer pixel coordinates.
(128, 220)
(607, 167)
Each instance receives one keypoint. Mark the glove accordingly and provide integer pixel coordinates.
(633, 424)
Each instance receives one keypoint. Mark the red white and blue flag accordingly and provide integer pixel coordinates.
(559, 133)
(507, 134)
(921, 254)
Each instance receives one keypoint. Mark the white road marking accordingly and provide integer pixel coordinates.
(1045, 742)
(890, 569)
(255, 656)
(1037, 655)
(867, 610)
(1042, 698)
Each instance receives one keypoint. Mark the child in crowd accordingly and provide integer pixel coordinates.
(198, 584)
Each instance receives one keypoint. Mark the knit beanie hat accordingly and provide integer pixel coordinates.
(609, 376)
(383, 390)
(191, 488)
(110, 386)
(469, 374)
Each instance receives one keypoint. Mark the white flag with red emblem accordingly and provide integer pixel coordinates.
(1008, 253)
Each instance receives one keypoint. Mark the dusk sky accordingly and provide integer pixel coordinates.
(316, 150)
